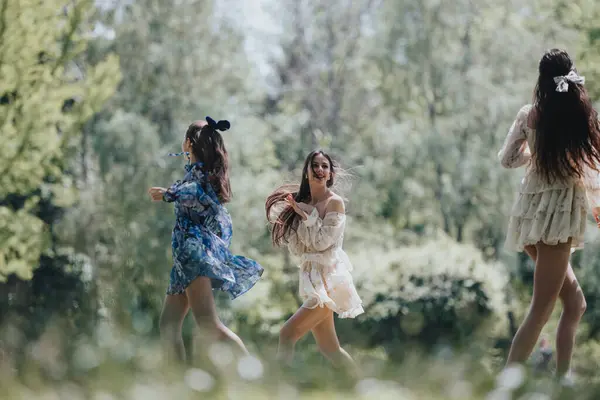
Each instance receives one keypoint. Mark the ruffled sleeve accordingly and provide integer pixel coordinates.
(295, 246)
(321, 234)
(172, 192)
(515, 152)
(189, 194)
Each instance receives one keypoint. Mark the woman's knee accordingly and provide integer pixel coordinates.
(582, 306)
(575, 307)
(171, 318)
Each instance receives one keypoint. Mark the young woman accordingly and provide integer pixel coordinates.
(200, 241)
(312, 225)
(558, 139)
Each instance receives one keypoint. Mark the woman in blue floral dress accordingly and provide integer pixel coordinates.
(200, 241)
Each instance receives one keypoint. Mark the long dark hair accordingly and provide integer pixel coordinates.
(287, 219)
(209, 149)
(567, 129)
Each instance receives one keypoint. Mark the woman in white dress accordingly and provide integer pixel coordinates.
(558, 139)
(310, 219)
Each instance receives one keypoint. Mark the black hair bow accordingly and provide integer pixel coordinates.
(222, 125)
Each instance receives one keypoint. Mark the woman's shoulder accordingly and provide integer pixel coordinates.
(336, 204)
(527, 107)
(525, 110)
(526, 115)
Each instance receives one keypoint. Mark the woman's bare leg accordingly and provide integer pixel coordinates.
(299, 324)
(329, 345)
(202, 302)
(175, 308)
(551, 268)
(574, 306)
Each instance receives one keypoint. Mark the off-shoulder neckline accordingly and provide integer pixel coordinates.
(326, 214)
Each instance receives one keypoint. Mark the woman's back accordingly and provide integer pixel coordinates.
(197, 207)
(527, 121)
(557, 139)
(567, 132)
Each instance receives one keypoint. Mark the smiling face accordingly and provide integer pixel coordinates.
(319, 171)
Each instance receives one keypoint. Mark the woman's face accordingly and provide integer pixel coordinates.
(319, 170)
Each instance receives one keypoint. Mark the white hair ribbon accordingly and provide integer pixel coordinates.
(562, 82)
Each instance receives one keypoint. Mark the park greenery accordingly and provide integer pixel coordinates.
(412, 97)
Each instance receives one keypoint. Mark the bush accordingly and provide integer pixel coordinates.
(440, 292)
(54, 309)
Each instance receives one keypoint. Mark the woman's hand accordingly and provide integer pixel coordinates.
(305, 207)
(156, 193)
(596, 214)
(292, 202)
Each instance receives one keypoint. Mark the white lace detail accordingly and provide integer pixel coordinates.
(515, 152)
(325, 279)
(547, 212)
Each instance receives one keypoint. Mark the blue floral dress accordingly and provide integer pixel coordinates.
(201, 239)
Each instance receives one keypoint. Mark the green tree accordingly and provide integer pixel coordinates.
(583, 17)
(48, 92)
(47, 95)
(439, 75)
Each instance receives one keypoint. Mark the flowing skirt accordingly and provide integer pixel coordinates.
(551, 216)
(325, 281)
(199, 252)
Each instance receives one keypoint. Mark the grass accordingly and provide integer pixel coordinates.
(113, 373)
(119, 365)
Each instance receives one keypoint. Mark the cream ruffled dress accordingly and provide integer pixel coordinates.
(543, 212)
(325, 279)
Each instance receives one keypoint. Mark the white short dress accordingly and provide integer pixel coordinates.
(550, 213)
(325, 279)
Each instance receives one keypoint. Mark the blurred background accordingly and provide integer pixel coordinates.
(412, 97)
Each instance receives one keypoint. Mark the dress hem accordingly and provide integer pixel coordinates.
(217, 284)
(351, 313)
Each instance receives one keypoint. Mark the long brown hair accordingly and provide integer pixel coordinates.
(567, 128)
(209, 149)
(287, 219)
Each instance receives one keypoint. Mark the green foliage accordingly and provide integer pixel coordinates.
(439, 292)
(22, 243)
(47, 95)
(414, 98)
(436, 71)
(586, 359)
(583, 17)
(49, 91)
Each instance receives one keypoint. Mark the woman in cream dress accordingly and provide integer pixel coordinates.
(312, 225)
(558, 140)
